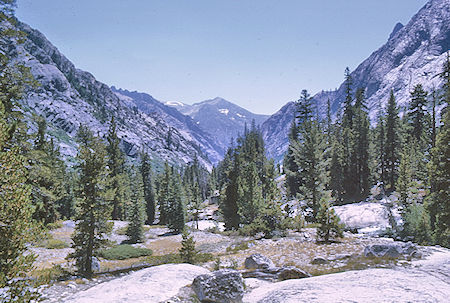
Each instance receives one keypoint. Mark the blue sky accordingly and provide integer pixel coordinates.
(258, 54)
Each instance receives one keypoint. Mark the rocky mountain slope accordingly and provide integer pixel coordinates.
(220, 118)
(68, 97)
(413, 54)
(210, 144)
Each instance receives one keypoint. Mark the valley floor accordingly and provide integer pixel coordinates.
(345, 275)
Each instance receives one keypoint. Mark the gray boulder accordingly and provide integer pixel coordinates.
(319, 260)
(274, 274)
(288, 273)
(258, 261)
(383, 251)
(393, 250)
(223, 286)
(95, 264)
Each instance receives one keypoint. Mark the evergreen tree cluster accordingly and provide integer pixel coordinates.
(250, 197)
(407, 156)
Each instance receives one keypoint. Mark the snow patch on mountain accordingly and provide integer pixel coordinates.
(224, 111)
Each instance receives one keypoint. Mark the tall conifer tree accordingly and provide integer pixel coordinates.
(392, 144)
(147, 186)
(16, 224)
(135, 229)
(94, 208)
(116, 162)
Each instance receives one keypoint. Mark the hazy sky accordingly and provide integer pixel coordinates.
(256, 53)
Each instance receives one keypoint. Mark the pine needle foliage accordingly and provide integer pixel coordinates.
(187, 250)
(17, 227)
(93, 201)
(135, 229)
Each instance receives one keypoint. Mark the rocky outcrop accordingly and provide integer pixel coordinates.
(425, 281)
(153, 284)
(394, 250)
(368, 217)
(258, 261)
(274, 274)
(319, 260)
(223, 286)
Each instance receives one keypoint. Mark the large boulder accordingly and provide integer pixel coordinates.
(258, 261)
(288, 273)
(274, 274)
(154, 284)
(393, 250)
(319, 260)
(95, 264)
(223, 286)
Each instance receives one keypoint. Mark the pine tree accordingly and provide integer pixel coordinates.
(193, 180)
(135, 229)
(416, 113)
(164, 194)
(405, 178)
(249, 180)
(175, 209)
(16, 224)
(118, 180)
(392, 144)
(380, 158)
(329, 223)
(93, 205)
(349, 155)
(149, 195)
(304, 110)
(329, 129)
(348, 107)
(439, 175)
(46, 176)
(290, 168)
(250, 196)
(361, 144)
(309, 156)
(228, 183)
(336, 166)
(187, 250)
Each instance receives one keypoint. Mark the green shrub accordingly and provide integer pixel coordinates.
(417, 224)
(329, 223)
(187, 250)
(217, 264)
(55, 225)
(122, 231)
(203, 258)
(125, 251)
(47, 275)
(237, 247)
(55, 244)
(164, 259)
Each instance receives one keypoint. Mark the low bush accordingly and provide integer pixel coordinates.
(237, 247)
(176, 258)
(55, 225)
(55, 244)
(125, 251)
(47, 275)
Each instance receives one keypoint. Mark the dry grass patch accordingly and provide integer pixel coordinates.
(164, 246)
